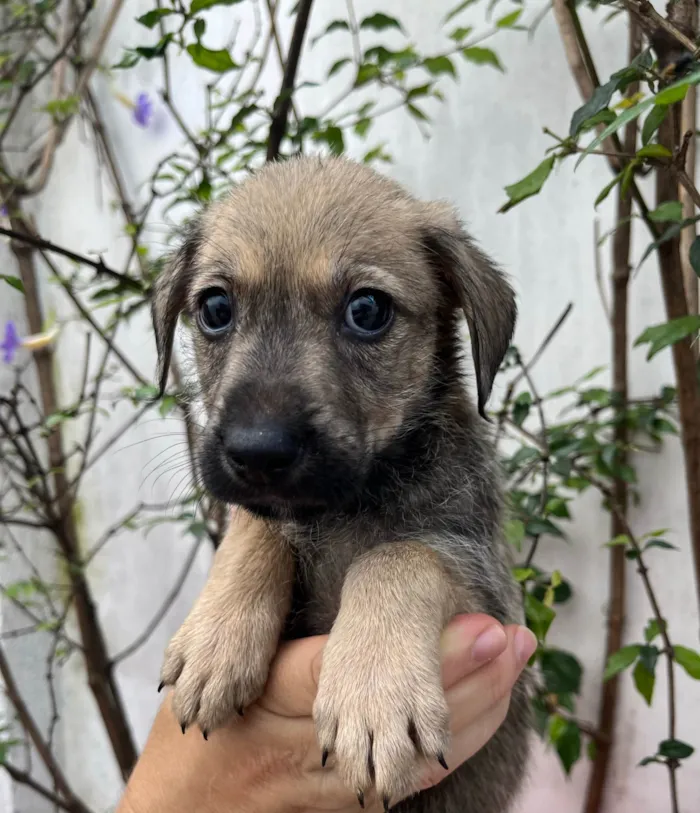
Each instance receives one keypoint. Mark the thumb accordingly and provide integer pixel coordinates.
(293, 682)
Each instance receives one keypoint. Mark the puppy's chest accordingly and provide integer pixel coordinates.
(321, 563)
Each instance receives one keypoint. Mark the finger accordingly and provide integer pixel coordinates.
(487, 687)
(293, 681)
(464, 744)
(469, 641)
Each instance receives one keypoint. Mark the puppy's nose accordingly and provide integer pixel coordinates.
(266, 450)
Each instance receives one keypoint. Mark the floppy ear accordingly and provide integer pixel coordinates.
(480, 289)
(169, 298)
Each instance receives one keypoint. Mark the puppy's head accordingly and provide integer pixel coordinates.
(323, 300)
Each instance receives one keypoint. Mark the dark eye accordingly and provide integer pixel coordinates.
(215, 311)
(369, 313)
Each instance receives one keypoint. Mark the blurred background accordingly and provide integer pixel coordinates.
(118, 120)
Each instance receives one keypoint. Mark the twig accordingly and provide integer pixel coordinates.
(651, 20)
(24, 778)
(599, 272)
(163, 610)
(278, 126)
(621, 246)
(46, 245)
(59, 129)
(25, 717)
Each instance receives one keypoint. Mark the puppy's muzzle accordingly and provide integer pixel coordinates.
(262, 454)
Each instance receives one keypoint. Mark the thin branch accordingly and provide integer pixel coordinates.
(24, 778)
(164, 608)
(278, 126)
(34, 734)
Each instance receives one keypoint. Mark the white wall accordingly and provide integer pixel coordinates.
(487, 134)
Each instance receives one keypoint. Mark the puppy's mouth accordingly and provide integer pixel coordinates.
(276, 477)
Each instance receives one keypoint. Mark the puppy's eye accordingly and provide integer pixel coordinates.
(369, 313)
(215, 311)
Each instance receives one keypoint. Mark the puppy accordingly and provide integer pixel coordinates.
(325, 303)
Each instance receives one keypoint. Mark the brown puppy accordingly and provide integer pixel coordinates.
(325, 302)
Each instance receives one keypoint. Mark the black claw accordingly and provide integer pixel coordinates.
(205, 734)
(324, 757)
(239, 710)
(385, 800)
(441, 760)
(361, 798)
(160, 686)
(183, 727)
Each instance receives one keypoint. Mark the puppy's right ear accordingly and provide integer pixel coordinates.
(169, 299)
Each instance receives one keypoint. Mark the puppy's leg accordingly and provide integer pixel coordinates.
(219, 659)
(380, 699)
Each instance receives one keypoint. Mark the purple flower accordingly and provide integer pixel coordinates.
(143, 110)
(3, 210)
(10, 343)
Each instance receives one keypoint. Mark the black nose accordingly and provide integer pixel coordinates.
(265, 450)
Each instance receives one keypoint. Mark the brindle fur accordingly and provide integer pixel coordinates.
(392, 523)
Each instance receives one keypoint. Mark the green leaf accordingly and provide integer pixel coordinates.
(607, 189)
(648, 655)
(361, 127)
(537, 527)
(200, 5)
(156, 51)
(515, 533)
(522, 574)
(151, 18)
(457, 10)
(482, 56)
(621, 539)
(200, 27)
(381, 22)
(689, 660)
(598, 101)
(660, 336)
(14, 282)
(649, 760)
(416, 112)
(460, 33)
(528, 186)
(539, 616)
(675, 749)
(620, 660)
(637, 109)
(509, 20)
(336, 66)
(671, 95)
(654, 151)
(652, 122)
(651, 630)
(644, 681)
(333, 137)
(439, 64)
(561, 671)
(569, 746)
(694, 255)
(660, 543)
(365, 73)
(669, 210)
(216, 61)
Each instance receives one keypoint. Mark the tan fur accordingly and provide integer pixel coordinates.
(408, 532)
(220, 657)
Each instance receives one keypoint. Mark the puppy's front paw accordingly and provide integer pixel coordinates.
(218, 662)
(378, 708)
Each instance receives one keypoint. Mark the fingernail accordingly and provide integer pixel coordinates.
(489, 644)
(525, 645)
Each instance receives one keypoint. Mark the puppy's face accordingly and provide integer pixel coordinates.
(322, 298)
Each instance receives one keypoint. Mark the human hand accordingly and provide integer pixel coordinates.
(270, 762)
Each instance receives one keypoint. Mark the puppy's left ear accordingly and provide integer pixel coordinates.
(169, 298)
(479, 288)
